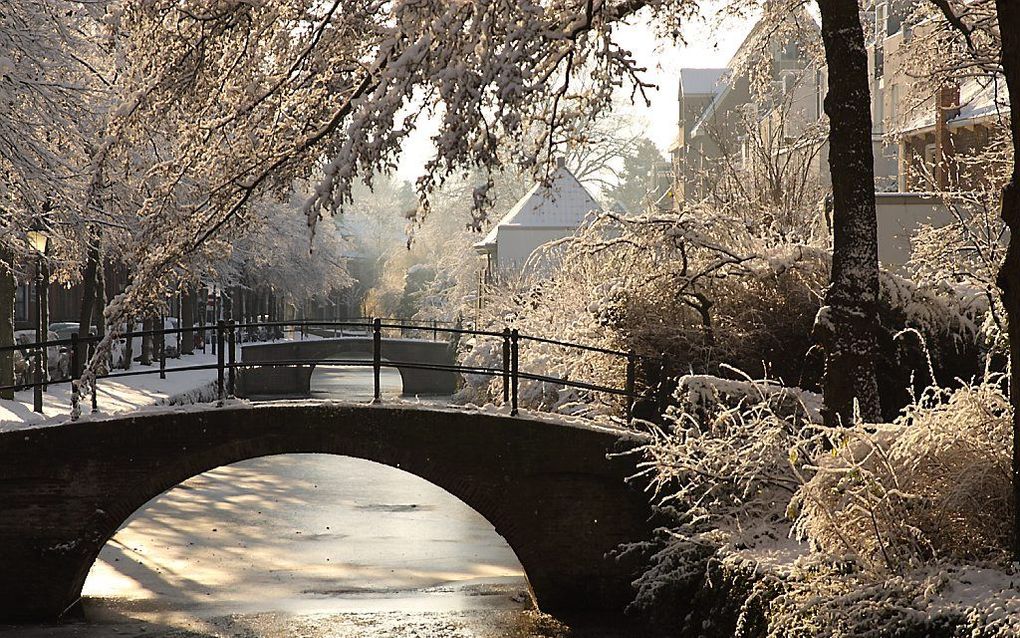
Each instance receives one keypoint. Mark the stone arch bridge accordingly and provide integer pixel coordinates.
(555, 492)
(426, 367)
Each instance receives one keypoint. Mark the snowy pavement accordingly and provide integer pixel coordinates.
(118, 395)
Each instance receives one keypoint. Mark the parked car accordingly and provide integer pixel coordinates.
(64, 329)
(58, 359)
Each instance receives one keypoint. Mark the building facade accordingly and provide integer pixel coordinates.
(546, 213)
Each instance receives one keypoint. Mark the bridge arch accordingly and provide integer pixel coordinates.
(549, 490)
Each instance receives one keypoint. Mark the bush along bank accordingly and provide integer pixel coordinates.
(780, 527)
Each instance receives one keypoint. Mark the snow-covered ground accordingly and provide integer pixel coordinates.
(112, 395)
(117, 395)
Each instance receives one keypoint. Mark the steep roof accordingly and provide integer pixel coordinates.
(701, 81)
(564, 203)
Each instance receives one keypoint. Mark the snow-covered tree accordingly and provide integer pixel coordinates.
(215, 105)
(635, 185)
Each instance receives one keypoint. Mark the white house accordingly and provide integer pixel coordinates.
(545, 214)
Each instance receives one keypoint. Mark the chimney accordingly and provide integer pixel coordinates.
(947, 107)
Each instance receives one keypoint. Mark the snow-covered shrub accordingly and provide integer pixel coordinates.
(934, 485)
(704, 396)
(724, 476)
(895, 529)
(545, 360)
(692, 286)
(710, 294)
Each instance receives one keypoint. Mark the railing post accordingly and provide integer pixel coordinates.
(377, 358)
(162, 351)
(219, 359)
(231, 374)
(506, 366)
(435, 333)
(37, 398)
(514, 380)
(631, 375)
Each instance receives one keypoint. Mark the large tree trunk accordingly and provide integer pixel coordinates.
(848, 327)
(1009, 273)
(8, 289)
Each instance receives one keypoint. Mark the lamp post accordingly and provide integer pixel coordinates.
(38, 238)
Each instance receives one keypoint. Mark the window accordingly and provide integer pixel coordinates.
(895, 21)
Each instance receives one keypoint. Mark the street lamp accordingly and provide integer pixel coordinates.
(39, 237)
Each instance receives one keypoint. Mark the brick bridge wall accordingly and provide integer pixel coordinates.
(295, 380)
(549, 490)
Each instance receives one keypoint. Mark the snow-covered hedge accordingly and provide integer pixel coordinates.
(934, 485)
(782, 527)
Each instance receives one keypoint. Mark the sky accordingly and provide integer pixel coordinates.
(707, 46)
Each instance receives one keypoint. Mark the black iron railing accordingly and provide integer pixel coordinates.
(225, 336)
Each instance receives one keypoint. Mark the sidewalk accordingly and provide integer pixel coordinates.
(116, 395)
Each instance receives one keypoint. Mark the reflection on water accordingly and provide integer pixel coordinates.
(309, 546)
